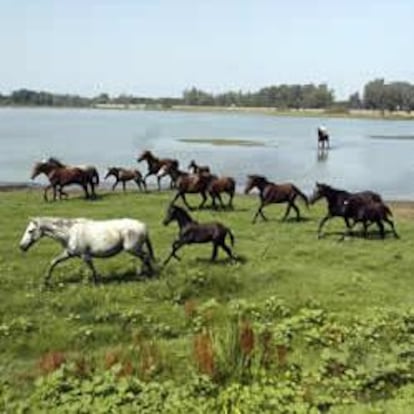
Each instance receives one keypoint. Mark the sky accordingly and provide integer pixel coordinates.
(161, 47)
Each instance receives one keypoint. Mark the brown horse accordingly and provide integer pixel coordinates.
(198, 169)
(193, 232)
(90, 171)
(60, 177)
(323, 138)
(124, 175)
(220, 185)
(157, 166)
(274, 193)
(191, 184)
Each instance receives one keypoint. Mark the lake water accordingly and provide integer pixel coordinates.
(108, 137)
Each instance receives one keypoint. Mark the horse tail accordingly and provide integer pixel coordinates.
(388, 211)
(301, 195)
(149, 247)
(231, 235)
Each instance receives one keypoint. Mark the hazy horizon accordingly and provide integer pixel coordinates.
(159, 48)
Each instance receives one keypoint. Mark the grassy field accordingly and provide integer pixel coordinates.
(298, 325)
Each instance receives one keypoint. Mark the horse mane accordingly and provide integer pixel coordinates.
(55, 161)
(258, 177)
(183, 212)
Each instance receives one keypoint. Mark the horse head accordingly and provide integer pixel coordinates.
(319, 192)
(32, 233)
(38, 168)
(192, 165)
(254, 180)
(111, 171)
(146, 155)
(170, 214)
(175, 213)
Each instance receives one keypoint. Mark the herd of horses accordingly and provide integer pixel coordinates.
(366, 208)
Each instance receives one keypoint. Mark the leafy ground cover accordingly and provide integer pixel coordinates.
(298, 325)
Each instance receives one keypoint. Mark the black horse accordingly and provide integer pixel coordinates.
(193, 232)
(336, 202)
(368, 213)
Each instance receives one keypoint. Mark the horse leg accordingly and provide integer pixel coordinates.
(175, 247)
(145, 178)
(62, 193)
(115, 184)
(322, 223)
(296, 208)
(93, 195)
(213, 203)
(88, 260)
(145, 258)
(65, 255)
(45, 192)
(204, 197)
(124, 186)
(231, 195)
(259, 211)
(381, 228)
(227, 250)
(178, 194)
(391, 223)
(54, 192)
(159, 182)
(85, 190)
(138, 183)
(221, 201)
(214, 253)
(183, 197)
(287, 211)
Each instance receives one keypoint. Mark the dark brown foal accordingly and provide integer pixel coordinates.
(193, 232)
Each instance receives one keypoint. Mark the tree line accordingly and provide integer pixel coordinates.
(377, 94)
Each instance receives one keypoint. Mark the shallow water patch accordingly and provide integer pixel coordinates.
(224, 142)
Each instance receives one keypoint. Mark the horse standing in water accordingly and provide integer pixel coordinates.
(193, 232)
(336, 202)
(90, 238)
(274, 193)
(158, 167)
(60, 177)
(323, 138)
(90, 171)
(124, 175)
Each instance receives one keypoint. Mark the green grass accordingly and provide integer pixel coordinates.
(351, 281)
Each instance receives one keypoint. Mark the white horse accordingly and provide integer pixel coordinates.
(86, 239)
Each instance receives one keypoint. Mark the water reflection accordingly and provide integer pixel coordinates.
(322, 154)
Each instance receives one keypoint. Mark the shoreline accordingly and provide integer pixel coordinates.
(405, 205)
(339, 113)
